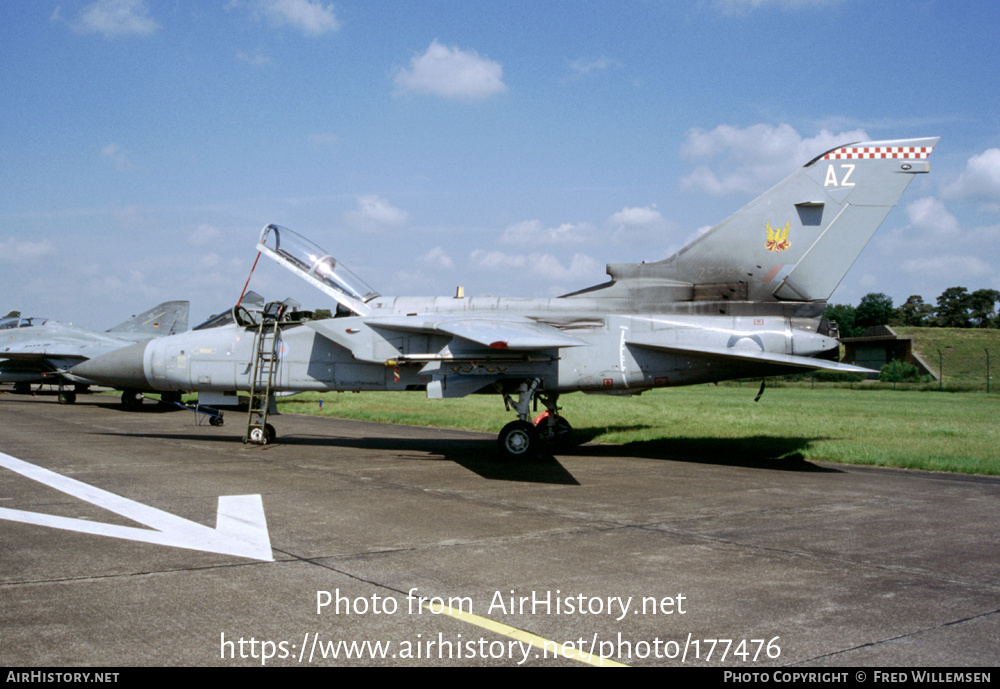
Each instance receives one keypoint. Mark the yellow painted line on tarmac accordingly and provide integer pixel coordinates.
(544, 645)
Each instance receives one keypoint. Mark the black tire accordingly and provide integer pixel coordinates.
(132, 399)
(518, 440)
(556, 432)
(170, 399)
(215, 420)
(263, 436)
(67, 397)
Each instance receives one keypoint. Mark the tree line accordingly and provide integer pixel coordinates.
(956, 308)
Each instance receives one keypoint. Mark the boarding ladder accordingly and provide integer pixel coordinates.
(267, 341)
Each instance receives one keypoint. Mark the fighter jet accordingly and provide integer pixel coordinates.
(743, 300)
(39, 350)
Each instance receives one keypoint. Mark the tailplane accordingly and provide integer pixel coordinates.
(796, 241)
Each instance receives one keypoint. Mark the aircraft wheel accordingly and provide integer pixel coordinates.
(518, 440)
(67, 397)
(215, 421)
(22, 388)
(555, 431)
(132, 399)
(170, 399)
(263, 436)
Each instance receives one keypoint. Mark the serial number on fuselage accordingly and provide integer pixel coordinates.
(719, 274)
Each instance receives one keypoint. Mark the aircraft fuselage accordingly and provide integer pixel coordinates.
(618, 353)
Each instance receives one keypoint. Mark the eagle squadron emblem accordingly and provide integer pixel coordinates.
(777, 240)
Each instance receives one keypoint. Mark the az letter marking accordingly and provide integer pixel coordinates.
(831, 176)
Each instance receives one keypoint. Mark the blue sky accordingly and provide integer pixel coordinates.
(511, 147)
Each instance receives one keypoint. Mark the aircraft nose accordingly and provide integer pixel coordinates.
(122, 368)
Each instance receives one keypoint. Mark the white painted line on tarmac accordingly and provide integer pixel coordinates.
(240, 529)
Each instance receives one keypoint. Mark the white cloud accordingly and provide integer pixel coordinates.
(117, 157)
(868, 281)
(375, 214)
(752, 159)
(113, 18)
(547, 266)
(256, 58)
(452, 73)
(534, 232)
(644, 227)
(310, 17)
(928, 216)
(409, 282)
(741, 7)
(962, 267)
(636, 216)
(209, 261)
(113, 285)
(205, 235)
(980, 180)
(582, 67)
(437, 258)
(934, 249)
(16, 251)
(132, 217)
(930, 227)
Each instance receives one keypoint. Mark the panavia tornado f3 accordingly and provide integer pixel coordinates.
(743, 300)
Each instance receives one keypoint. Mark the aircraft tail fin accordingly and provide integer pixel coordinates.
(168, 318)
(796, 241)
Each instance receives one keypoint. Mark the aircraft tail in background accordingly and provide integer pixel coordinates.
(168, 318)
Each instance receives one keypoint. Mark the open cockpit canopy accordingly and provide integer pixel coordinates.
(313, 264)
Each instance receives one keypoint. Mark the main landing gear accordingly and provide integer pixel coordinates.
(67, 396)
(523, 438)
(132, 399)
